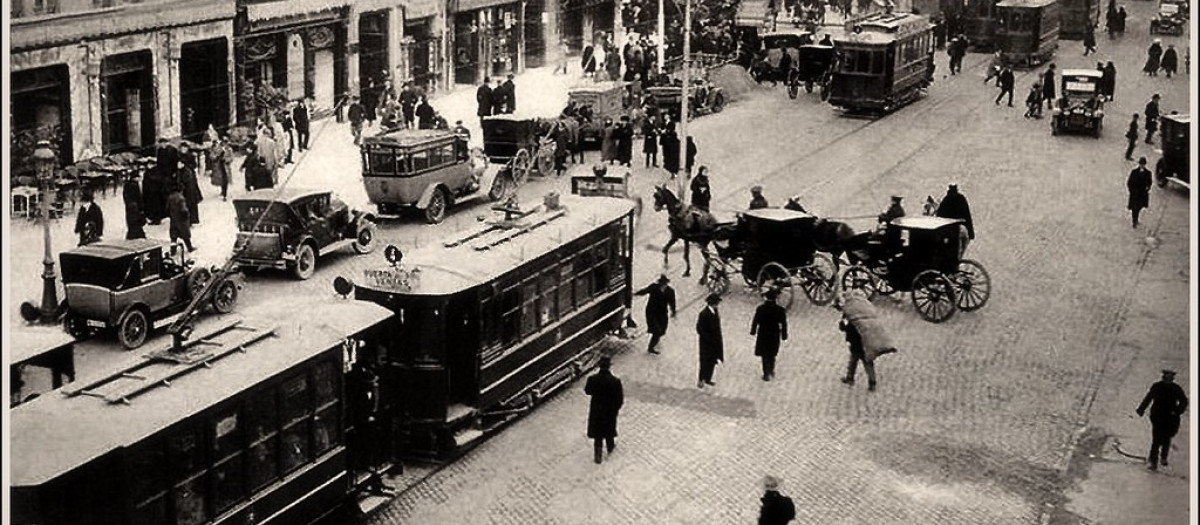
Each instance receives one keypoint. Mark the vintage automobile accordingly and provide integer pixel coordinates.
(814, 67)
(135, 285)
(1176, 148)
(427, 170)
(1079, 108)
(1170, 19)
(704, 98)
(1028, 31)
(605, 101)
(778, 57)
(289, 230)
(884, 61)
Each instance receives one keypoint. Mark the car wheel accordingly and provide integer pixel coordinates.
(198, 280)
(502, 185)
(225, 297)
(132, 329)
(436, 210)
(306, 262)
(77, 326)
(364, 241)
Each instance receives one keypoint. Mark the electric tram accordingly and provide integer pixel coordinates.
(883, 62)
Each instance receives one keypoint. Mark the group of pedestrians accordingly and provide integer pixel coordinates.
(169, 191)
(1158, 59)
(498, 100)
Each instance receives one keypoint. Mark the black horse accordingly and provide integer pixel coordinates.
(687, 223)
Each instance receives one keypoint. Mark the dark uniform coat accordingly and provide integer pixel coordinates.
(1167, 402)
(1048, 87)
(712, 344)
(484, 97)
(1139, 188)
(777, 509)
(770, 324)
(191, 192)
(659, 303)
(607, 398)
(180, 217)
(670, 151)
(89, 224)
(135, 221)
(954, 206)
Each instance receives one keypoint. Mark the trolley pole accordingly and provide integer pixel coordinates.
(684, 99)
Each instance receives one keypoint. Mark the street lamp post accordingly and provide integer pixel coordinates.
(44, 160)
(687, 85)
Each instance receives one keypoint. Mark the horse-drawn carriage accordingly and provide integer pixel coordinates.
(772, 248)
(523, 145)
(813, 67)
(704, 98)
(922, 255)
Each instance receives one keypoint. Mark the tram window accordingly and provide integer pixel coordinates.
(262, 468)
(228, 488)
(188, 500)
(548, 291)
(510, 305)
(583, 279)
(600, 273)
(326, 429)
(227, 435)
(294, 448)
(489, 325)
(877, 62)
(185, 452)
(564, 287)
(325, 382)
(296, 402)
(153, 511)
(529, 316)
(150, 462)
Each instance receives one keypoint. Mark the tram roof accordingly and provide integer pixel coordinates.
(881, 28)
(408, 138)
(55, 434)
(446, 270)
(1025, 3)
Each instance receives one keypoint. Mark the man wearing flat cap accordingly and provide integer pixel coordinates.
(1167, 402)
(757, 201)
(661, 299)
(777, 509)
(770, 325)
(712, 345)
(607, 398)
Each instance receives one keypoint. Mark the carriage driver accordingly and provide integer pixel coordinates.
(894, 211)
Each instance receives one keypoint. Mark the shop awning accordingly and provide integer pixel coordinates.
(461, 6)
(414, 9)
(288, 9)
(45, 31)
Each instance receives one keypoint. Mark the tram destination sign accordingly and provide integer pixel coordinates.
(393, 279)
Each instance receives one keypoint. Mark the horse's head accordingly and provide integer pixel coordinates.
(664, 198)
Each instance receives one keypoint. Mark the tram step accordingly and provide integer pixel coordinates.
(466, 437)
(458, 412)
(367, 503)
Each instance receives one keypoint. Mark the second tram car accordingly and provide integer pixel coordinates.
(884, 62)
(492, 321)
(1076, 16)
(1028, 31)
(977, 20)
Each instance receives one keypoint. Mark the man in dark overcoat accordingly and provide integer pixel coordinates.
(154, 187)
(770, 325)
(1131, 137)
(1007, 84)
(191, 189)
(777, 509)
(1049, 88)
(1167, 402)
(484, 98)
(954, 205)
(135, 220)
(1151, 115)
(607, 398)
(624, 136)
(89, 222)
(1139, 190)
(712, 344)
(300, 118)
(510, 95)
(700, 189)
(1110, 80)
(180, 227)
(661, 298)
(670, 149)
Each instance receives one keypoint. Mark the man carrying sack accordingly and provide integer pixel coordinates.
(864, 334)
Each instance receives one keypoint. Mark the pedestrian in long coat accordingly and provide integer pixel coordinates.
(1048, 87)
(510, 95)
(1167, 402)
(135, 220)
(484, 98)
(89, 222)
(607, 397)
(256, 174)
(660, 299)
(588, 61)
(712, 344)
(1089, 41)
(1153, 58)
(191, 191)
(1170, 60)
(770, 325)
(612, 63)
(222, 164)
(608, 142)
(776, 509)
(691, 154)
(624, 136)
(954, 205)
(181, 224)
(670, 150)
(1151, 114)
(154, 188)
(700, 189)
(1131, 136)
(1109, 80)
(1138, 184)
(650, 144)
(300, 119)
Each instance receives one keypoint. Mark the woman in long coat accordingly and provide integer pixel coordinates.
(191, 189)
(670, 150)
(135, 220)
(608, 142)
(1153, 58)
(588, 62)
(1108, 80)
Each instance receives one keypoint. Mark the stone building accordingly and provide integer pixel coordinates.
(104, 76)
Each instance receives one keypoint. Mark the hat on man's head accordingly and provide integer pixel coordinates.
(1168, 372)
(756, 189)
(712, 298)
(1142, 161)
(605, 363)
(663, 279)
(771, 482)
(896, 198)
(954, 184)
(771, 294)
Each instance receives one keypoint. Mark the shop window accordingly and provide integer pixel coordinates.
(188, 499)
(228, 486)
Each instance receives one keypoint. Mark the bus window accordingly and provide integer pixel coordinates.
(420, 161)
(380, 161)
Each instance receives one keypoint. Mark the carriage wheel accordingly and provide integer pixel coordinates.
(859, 278)
(774, 275)
(717, 281)
(882, 285)
(817, 279)
(972, 285)
(522, 163)
(933, 296)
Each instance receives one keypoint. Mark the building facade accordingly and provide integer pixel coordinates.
(105, 76)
